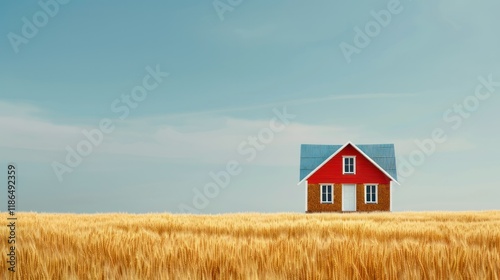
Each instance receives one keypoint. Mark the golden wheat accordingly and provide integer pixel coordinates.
(256, 246)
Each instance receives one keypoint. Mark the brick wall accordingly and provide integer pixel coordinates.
(314, 200)
(384, 201)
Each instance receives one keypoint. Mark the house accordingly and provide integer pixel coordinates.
(348, 178)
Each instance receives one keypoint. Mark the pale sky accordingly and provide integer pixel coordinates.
(64, 68)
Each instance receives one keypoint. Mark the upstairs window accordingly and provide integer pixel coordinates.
(371, 195)
(326, 193)
(349, 165)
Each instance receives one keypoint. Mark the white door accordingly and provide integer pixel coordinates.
(349, 197)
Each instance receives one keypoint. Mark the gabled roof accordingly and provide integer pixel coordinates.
(313, 157)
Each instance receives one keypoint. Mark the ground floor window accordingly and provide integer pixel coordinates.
(326, 193)
(371, 193)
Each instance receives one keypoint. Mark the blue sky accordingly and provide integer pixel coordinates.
(228, 74)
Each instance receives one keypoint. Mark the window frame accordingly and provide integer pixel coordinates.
(353, 164)
(370, 193)
(321, 193)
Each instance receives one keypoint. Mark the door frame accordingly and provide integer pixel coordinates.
(344, 186)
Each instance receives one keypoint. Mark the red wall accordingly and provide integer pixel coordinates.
(366, 172)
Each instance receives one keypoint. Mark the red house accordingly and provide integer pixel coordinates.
(348, 178)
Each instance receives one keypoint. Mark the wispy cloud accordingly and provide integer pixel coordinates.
(295, 102)
(212, 140)
(216, 145)
(22, 127)
(406, 146)
(17, 109)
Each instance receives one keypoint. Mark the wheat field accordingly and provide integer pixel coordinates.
(461, 245)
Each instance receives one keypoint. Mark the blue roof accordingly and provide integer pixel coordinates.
(311, 156)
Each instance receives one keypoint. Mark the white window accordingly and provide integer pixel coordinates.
(326, 193)
(349, 165)
(371, 193)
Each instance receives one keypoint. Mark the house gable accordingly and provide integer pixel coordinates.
(325, 162)
(332, 171)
